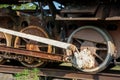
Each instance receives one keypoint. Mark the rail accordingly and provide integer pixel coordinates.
(70, 74)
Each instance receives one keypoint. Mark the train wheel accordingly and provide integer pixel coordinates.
(5, 40)
(32, 45)
(95, 46)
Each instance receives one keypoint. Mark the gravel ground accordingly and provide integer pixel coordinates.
(6, 76)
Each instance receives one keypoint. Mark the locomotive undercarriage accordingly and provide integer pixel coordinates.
(97, 48)
(84, 36)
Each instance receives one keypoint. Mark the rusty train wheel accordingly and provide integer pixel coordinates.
(32, 45)
(96, 47)
(5, 40)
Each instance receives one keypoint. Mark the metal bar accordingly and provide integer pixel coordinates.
(78, 75)
(113, 18)
(37, 54)
(36, 38)
(78, 18)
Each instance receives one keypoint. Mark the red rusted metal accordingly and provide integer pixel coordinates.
(42, 55)
(116, 37)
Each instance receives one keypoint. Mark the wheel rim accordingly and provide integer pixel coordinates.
(100, 46)
(32, 45)
(4, 41)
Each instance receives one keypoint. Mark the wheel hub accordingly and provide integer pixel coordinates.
(85, 59)
(32, 47)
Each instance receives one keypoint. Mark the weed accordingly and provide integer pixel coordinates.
(27, 75)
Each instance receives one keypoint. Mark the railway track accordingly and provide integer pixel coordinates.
(70, 74)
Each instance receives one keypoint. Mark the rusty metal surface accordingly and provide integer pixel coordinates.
(37, 54)
(80, 75)
(63, 73)
(32, 45)
(94, 36)
(116, 37)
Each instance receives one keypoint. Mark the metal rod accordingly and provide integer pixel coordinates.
(38, 39)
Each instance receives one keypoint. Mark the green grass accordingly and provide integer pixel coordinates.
(116, 67)
(27, 75)
(66, 64)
